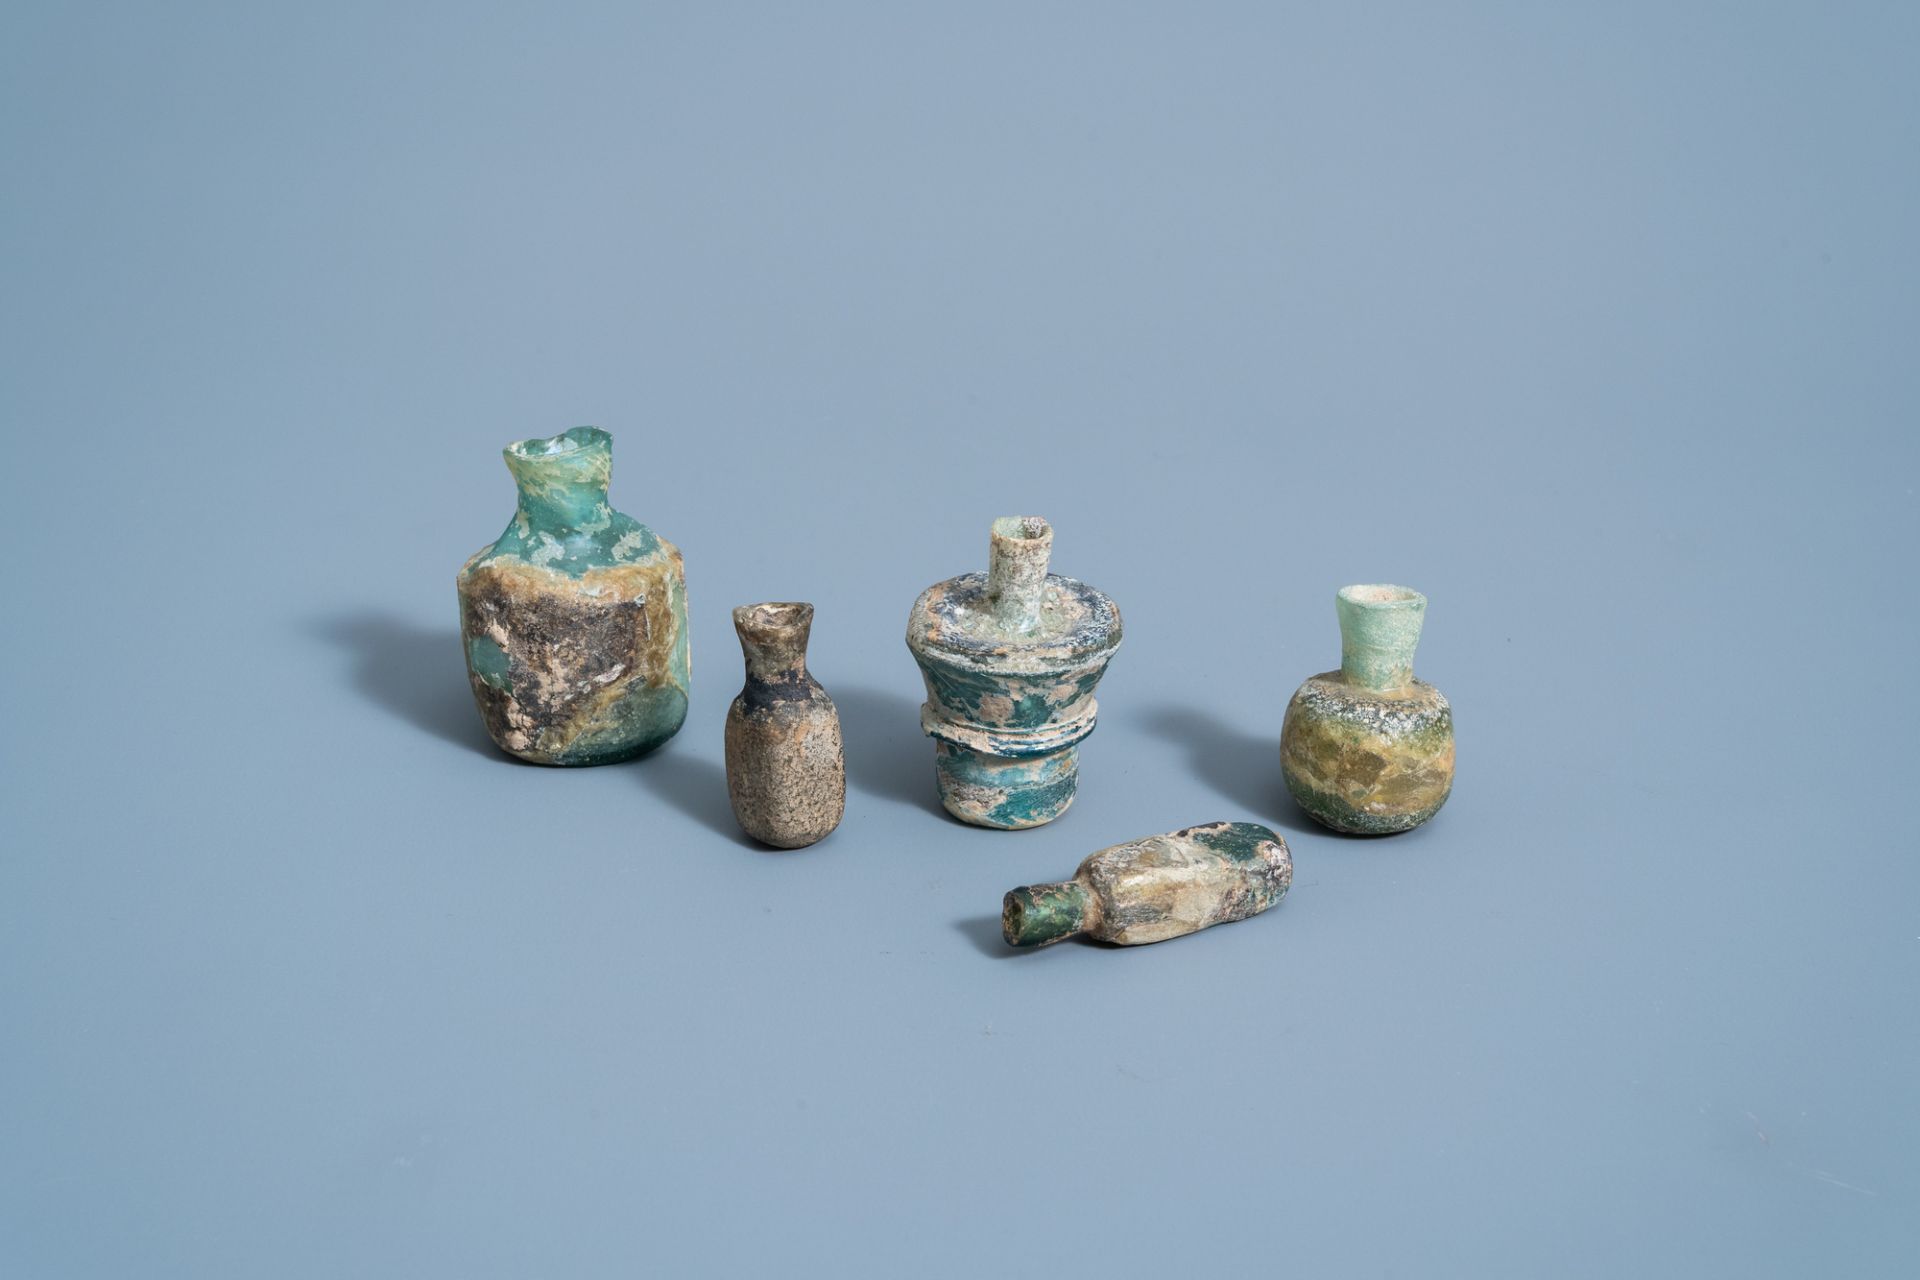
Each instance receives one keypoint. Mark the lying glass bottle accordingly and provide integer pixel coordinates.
(1157, 888)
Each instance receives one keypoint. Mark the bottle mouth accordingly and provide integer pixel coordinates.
(575, 440)
(1382, 596)
(1022, 528)
(773, 618)
(1037, 914)
(1013, 918)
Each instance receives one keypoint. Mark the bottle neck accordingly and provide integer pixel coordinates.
(773, 640)
(1379, 631)
(1037, 914)
(1017, 570)
(562, 481)
(554, 509)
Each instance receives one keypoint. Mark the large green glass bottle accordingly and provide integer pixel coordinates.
(575, 621)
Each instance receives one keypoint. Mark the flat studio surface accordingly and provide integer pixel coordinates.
(1595, 328)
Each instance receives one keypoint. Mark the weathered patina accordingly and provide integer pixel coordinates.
(1157, 888)
(1010, 659)
(1368, 749)
(574, 622)
(786, 766)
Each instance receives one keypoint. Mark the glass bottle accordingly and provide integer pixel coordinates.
(574, 621)
(786, 765)
(1157, 888)
(1011, 658)
(1368, 749)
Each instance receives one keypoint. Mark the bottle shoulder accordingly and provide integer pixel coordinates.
(1330, 696)
(954, 620)
(621, 542)
(795, 696)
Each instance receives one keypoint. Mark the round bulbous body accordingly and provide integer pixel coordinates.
(1367, 762)
(574, 623)
(1368, 749)
(1011, 658)
(786, 763)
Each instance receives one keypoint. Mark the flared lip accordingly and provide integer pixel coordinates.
(772, 617)
(569, 442)
(1382, 595)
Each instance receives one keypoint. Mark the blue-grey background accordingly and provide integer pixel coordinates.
(1598, 327)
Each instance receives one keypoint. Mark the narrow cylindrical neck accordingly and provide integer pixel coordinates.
(1037, 914)
(563, 479)
(1379, 630)
(773, 639)
(1017, 570)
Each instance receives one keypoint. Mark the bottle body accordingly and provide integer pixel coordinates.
(1157, 888)
(786, 762)
(1365, 762)
(989, 788)
(1010, 659)
(1368, 749)
(574, 622)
